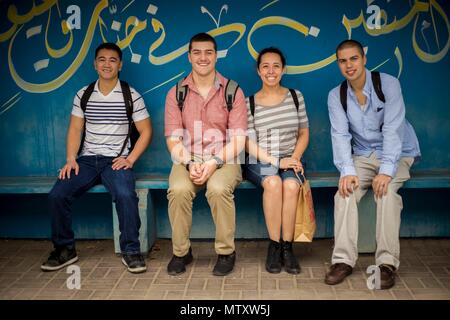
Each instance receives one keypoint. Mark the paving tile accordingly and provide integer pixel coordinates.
(343, 294)
(212, 284)
(427, 291)
(413, 283)
(430, 283)
(118, 294)
(250, 295)
(286, 284)
(402, 294)
(231, 295)
(125, 284)
(58, 294)
(9, 294)
(155, 295)
(207, 294)
(82, 295)
(100, 294)
(174, 295)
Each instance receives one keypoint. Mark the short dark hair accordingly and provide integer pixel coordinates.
(270, 50)
(202, 37)
(109, 46)
(350, 44)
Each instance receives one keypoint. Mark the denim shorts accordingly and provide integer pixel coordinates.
(256, 173)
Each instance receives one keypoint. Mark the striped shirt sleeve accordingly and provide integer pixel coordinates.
(302, 116)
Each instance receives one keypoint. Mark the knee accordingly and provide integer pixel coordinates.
(124, 194)
(291, 187)
(338, 198)
(179, 191)
(391, 192)
(218, 190)
(57, 194)
(273, 184)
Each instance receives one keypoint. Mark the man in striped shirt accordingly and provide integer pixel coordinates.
(103, 159)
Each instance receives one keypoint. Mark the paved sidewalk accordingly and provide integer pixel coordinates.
(424, 273)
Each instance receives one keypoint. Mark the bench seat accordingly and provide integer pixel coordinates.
(146, 183)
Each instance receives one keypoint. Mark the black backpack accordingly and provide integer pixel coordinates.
(251, 100)
(230, 93)
(376, 80)
(132, 134)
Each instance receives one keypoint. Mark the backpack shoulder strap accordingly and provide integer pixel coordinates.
(181, 93)
(343, 95)
(86, 95)
(230, 93)
(251, 100)
(128, 99)
(295, 98)
(376, 81)
(83, 105)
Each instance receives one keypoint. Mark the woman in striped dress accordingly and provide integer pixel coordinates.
(278, 135)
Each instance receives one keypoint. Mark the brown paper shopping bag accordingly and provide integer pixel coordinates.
(305, 221)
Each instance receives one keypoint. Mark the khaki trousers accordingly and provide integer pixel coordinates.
(219, 193)
(389, 208)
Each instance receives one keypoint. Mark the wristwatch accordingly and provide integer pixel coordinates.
(189, 163)
(218, 161)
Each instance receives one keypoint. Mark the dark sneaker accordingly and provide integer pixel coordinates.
(387, 276)
(177, 265)
(288, 258)
(273, 260)
(59, 258)
(337, 273)
(224, 264)
(135, 263)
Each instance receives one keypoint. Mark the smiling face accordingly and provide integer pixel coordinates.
(271, 69)
(352, 64)
(203, 58)
(108, 64)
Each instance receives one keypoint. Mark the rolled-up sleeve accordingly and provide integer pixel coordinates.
(173, 123)
(237, 119)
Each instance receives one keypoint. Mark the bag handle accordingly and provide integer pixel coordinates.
(304, 178)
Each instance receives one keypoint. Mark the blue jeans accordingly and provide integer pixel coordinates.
(120, 183)
(258, 172)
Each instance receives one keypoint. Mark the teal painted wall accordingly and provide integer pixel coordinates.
(41, 70)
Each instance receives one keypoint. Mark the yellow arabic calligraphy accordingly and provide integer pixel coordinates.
(65, 29)
(138, 26)
(275, 20)
(21, 19)
(350, 24)
(158, 26)
(35, 11)
(418, 7)
(425, 56)
(56, 83)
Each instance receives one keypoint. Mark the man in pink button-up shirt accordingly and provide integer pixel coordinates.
(204, 139)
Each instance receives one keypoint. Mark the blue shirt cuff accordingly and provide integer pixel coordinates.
(388, 169)
(348, 171)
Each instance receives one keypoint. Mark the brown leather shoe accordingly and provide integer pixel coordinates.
(387, 276)
(337, 273)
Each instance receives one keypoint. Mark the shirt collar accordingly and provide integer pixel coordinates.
(219, 81)
(367, 89)
(116, 88)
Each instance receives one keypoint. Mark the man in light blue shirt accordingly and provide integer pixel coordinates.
(373, 146)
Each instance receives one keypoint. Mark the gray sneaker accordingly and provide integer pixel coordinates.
(135, 263)
(59, 258)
